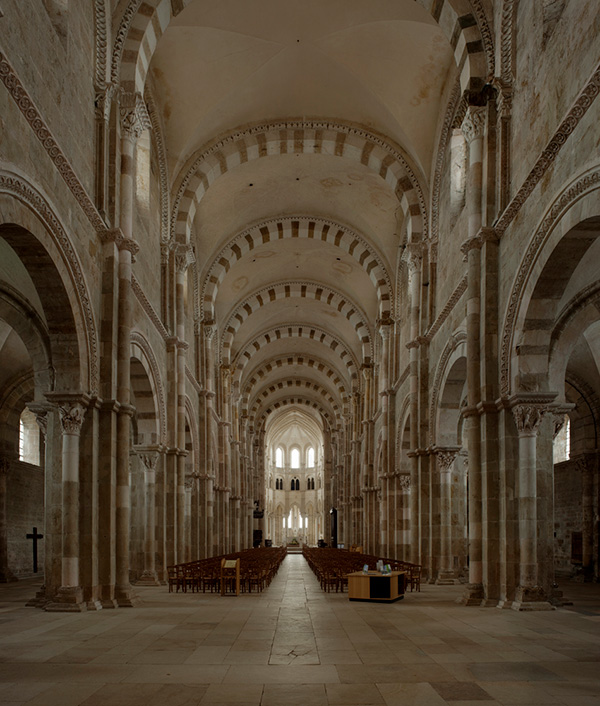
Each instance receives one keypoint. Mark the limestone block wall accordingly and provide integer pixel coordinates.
(52, 52)
(568, 514)
(544, 46)
(25, 488)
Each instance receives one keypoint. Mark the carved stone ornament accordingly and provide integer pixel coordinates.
(184, 257)
(148, 458)
(473, 125)
(404, 481)
(134, 116)
(528, 418)
(445, 456)
(103, 99)
(71, 417)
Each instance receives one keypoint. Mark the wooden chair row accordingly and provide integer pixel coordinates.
(332, 566)
(257, 569)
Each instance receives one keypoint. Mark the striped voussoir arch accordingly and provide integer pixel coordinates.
(295, 386)
(298, 227)
(333, 138)
(302, 290)
(303, 330)
(257, 375)
(256, 419)
(143, 23)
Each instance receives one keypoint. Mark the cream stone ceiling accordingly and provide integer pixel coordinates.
(222, 67)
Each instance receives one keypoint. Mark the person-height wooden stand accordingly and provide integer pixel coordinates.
(230, 576)
(376, 587)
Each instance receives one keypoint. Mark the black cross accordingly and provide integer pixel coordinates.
(35, 536)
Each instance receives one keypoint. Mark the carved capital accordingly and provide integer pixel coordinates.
(115, 235)
(413, 256)
(404, 481)
(184, 257)
(473, 125)
(134, 115)
(528, 418)
(445, 456)
(41, 415)
(103, 99)
(71, 417)
(148, 456)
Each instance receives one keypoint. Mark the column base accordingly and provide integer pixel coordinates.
(7, 576)
(109, 604)
(473, 595)
(39, 600)
(148, 578)
(68, 599)
(94, 605)
(447, 578)
(529, 598)
(126, 598)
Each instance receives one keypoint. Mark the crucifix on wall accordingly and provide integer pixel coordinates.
(35, 536)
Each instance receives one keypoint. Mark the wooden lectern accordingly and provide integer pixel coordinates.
(230, 576)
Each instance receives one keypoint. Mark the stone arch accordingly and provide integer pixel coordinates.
(298, 385)
(553, 253)
(28, 325)
(305, 227)
(145, 393)
(192, 422)
(303, 290)
(447, 392)
(336, 139)
(259, 418)
(143, 23)
(308, 361)
(580, 316)
(142, 351)
(295, 330)
(31, 224)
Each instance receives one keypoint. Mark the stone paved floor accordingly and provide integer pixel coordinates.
(294, 645)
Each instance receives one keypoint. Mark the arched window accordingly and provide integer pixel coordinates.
(29, 438)
(310, 458)
(279, 457)
(297, 484)
(293, 484)
(295, 458)
(561, 446)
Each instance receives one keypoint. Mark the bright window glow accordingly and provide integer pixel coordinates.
(561, 446)
(311, 457)
(29, 438)
(279, 457)
(295, 458)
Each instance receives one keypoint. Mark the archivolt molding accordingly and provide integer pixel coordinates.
(455, 297)
(506, 40)
(583, 185)
(321, 366)
(148, 308)
(120, 39)
(43, 134)
(303, 290)
(299, 137)
(305, 227)
(14, 394)
(101, 34)
(147, 355)
(567, 126)
(455, 341)
(440, 158)
(14, 185)
(161, 158)
(298, 330)
(193, 425)
(486, 36)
